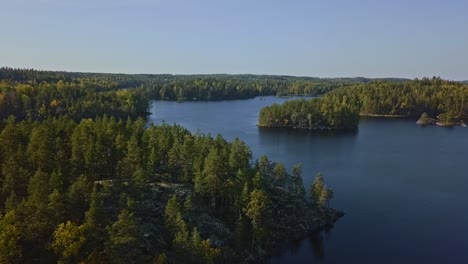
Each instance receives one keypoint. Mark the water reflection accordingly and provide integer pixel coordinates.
(316, 150)
(317, 246)
(397, 181)
(306, 132)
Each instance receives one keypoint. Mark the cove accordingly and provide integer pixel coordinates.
(403, 187)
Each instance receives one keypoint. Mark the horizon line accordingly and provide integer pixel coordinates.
(232, 74)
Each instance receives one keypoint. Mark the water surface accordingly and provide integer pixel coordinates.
(404, 188)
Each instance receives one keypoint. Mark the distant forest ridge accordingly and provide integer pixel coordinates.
(35, 94)
(19, 74)
(209, 87)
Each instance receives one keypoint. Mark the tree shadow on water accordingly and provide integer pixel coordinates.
(316, 241)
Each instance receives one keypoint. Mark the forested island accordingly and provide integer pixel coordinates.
(341, 108)
(84, 180)
(324, 113)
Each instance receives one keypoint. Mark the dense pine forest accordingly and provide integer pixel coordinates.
(340, 109)
(84, 180)
(167, 86)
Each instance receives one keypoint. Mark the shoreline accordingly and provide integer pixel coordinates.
(318, 129)
(384, 115)
(317, 224)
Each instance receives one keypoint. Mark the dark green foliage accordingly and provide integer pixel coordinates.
(29, 93)
(78, 98)
(82, 180)
(433, 96)
(257, 212)
(297, 186)
(103, 200)
(320, 194)
(68, 241)
(125, 242)
(10, 248)
(327, 112)
(340, 109)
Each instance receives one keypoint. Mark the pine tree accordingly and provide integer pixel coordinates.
(125, 244)
(15, 178)
(280, 175)
(240, 233)
(258, 181)
(325, 197)
(68, 241)
(161, 259)
(174, 161)
(297, 185)
(171, 213)
(10, 235)
(264, 166)
(316, 189)
(181, 242)
(188, 203)
(239, 156)
(78, 198)
(95, 223)
(132, 160)
(213, 175)
(256, 210)
(38, 188)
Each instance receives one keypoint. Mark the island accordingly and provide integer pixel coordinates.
(322, 113)
(425, 120)
(445, 120)
(340, 108)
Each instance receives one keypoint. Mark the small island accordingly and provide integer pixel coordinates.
(315, 114)
(425, 120)
(444, 120)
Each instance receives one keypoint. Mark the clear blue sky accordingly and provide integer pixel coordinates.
(334, 38)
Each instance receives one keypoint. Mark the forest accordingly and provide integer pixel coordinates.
(83, 179)
(341, 108)
(184, 87)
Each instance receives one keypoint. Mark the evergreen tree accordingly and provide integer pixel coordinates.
(68, 241)
(325, 197)
(239, 156)
(257, 211)
(125, 242)
(15, 178)
(280, 175)
(316, 189)
(258, 181)
(95, 225)
(10, 235)
(161, 259)
(213, 175)
(173, 213)
(297, 185)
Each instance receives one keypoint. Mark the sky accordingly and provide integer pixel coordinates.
(329, 38)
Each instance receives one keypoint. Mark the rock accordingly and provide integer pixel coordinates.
(426, 121)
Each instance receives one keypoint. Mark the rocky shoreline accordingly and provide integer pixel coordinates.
(426, 121)
(290, 221)
(296, 230)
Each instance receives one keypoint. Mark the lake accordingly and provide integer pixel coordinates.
(404, 188)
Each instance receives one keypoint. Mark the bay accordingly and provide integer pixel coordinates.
(404, 188)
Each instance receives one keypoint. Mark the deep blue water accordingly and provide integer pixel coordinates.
(404, 188)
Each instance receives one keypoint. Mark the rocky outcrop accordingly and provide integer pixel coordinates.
(426, 121)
